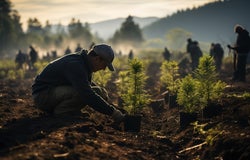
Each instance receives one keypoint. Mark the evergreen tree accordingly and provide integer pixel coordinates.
(35, 32)
(47, 28)
(10, 26)
(79, 32)
(129, 32)
(34, 25)
(47, 33)
(60, 29)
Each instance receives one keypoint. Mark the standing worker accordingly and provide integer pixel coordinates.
(217, 53)
(33, 57)
(166, 54)
(20, 59)
(241, 49)
(195, 52)
(67, 51)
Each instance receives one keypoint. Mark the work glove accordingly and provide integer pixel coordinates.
(228, 46)
(117, 116)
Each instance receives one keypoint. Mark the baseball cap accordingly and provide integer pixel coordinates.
(106, 52)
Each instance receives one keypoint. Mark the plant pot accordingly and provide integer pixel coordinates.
(212, 110)
(157, 105)
(166, 96)
(172, 101)
(132, 123)
(187, 118)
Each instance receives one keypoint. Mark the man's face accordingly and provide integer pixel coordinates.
(99, 64)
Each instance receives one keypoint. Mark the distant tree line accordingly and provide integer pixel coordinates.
(211, 22)
(12, 36)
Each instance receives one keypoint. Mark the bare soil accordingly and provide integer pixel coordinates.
(28, 133)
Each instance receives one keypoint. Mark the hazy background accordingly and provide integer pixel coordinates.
(54, 25)
(92, 11)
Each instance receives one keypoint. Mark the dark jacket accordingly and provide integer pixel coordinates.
(72, 70)
(243, 42)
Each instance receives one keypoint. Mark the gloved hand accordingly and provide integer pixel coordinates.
(117, 116)
(229, 46)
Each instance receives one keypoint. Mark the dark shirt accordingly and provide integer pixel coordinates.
(72, 70)
(243, 42)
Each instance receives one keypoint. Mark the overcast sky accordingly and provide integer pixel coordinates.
(97, 10)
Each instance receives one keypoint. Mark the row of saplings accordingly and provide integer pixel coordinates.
(192, 93)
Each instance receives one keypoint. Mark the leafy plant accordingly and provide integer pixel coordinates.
(135, 97)
(187, 95)
(209, 87)
(15, 74)
(7, 64)
(2, 74)
(101, 78)
(122, 82)
(8, 70)
(11, 75)
(196, 93)
(170, 76)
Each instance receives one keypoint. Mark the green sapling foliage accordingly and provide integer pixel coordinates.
(170, 77)
(122, 82)
(101, 78)
(196, 93)
(209, 87)
(187, 95)
(8, 70)
(135, 97)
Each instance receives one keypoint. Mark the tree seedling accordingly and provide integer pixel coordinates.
(170, 76)
(135, 97)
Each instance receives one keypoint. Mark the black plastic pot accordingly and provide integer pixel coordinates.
(132, 123)
(212, 110)
(172, 101)
(187, 118)
(157, 105)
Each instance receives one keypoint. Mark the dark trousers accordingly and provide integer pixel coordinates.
(63, 99)
(240, 72)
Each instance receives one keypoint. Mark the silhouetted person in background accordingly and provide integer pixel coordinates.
(131, 54)
(120, 53)
(166, 54)
(54, 54)
(189, 43)
(67, 51)
(218, 56)
(47, 57)
(241, 49)
(20, 59)
(78, 48)
(33, 57)
(195, 52)
(211, 51)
